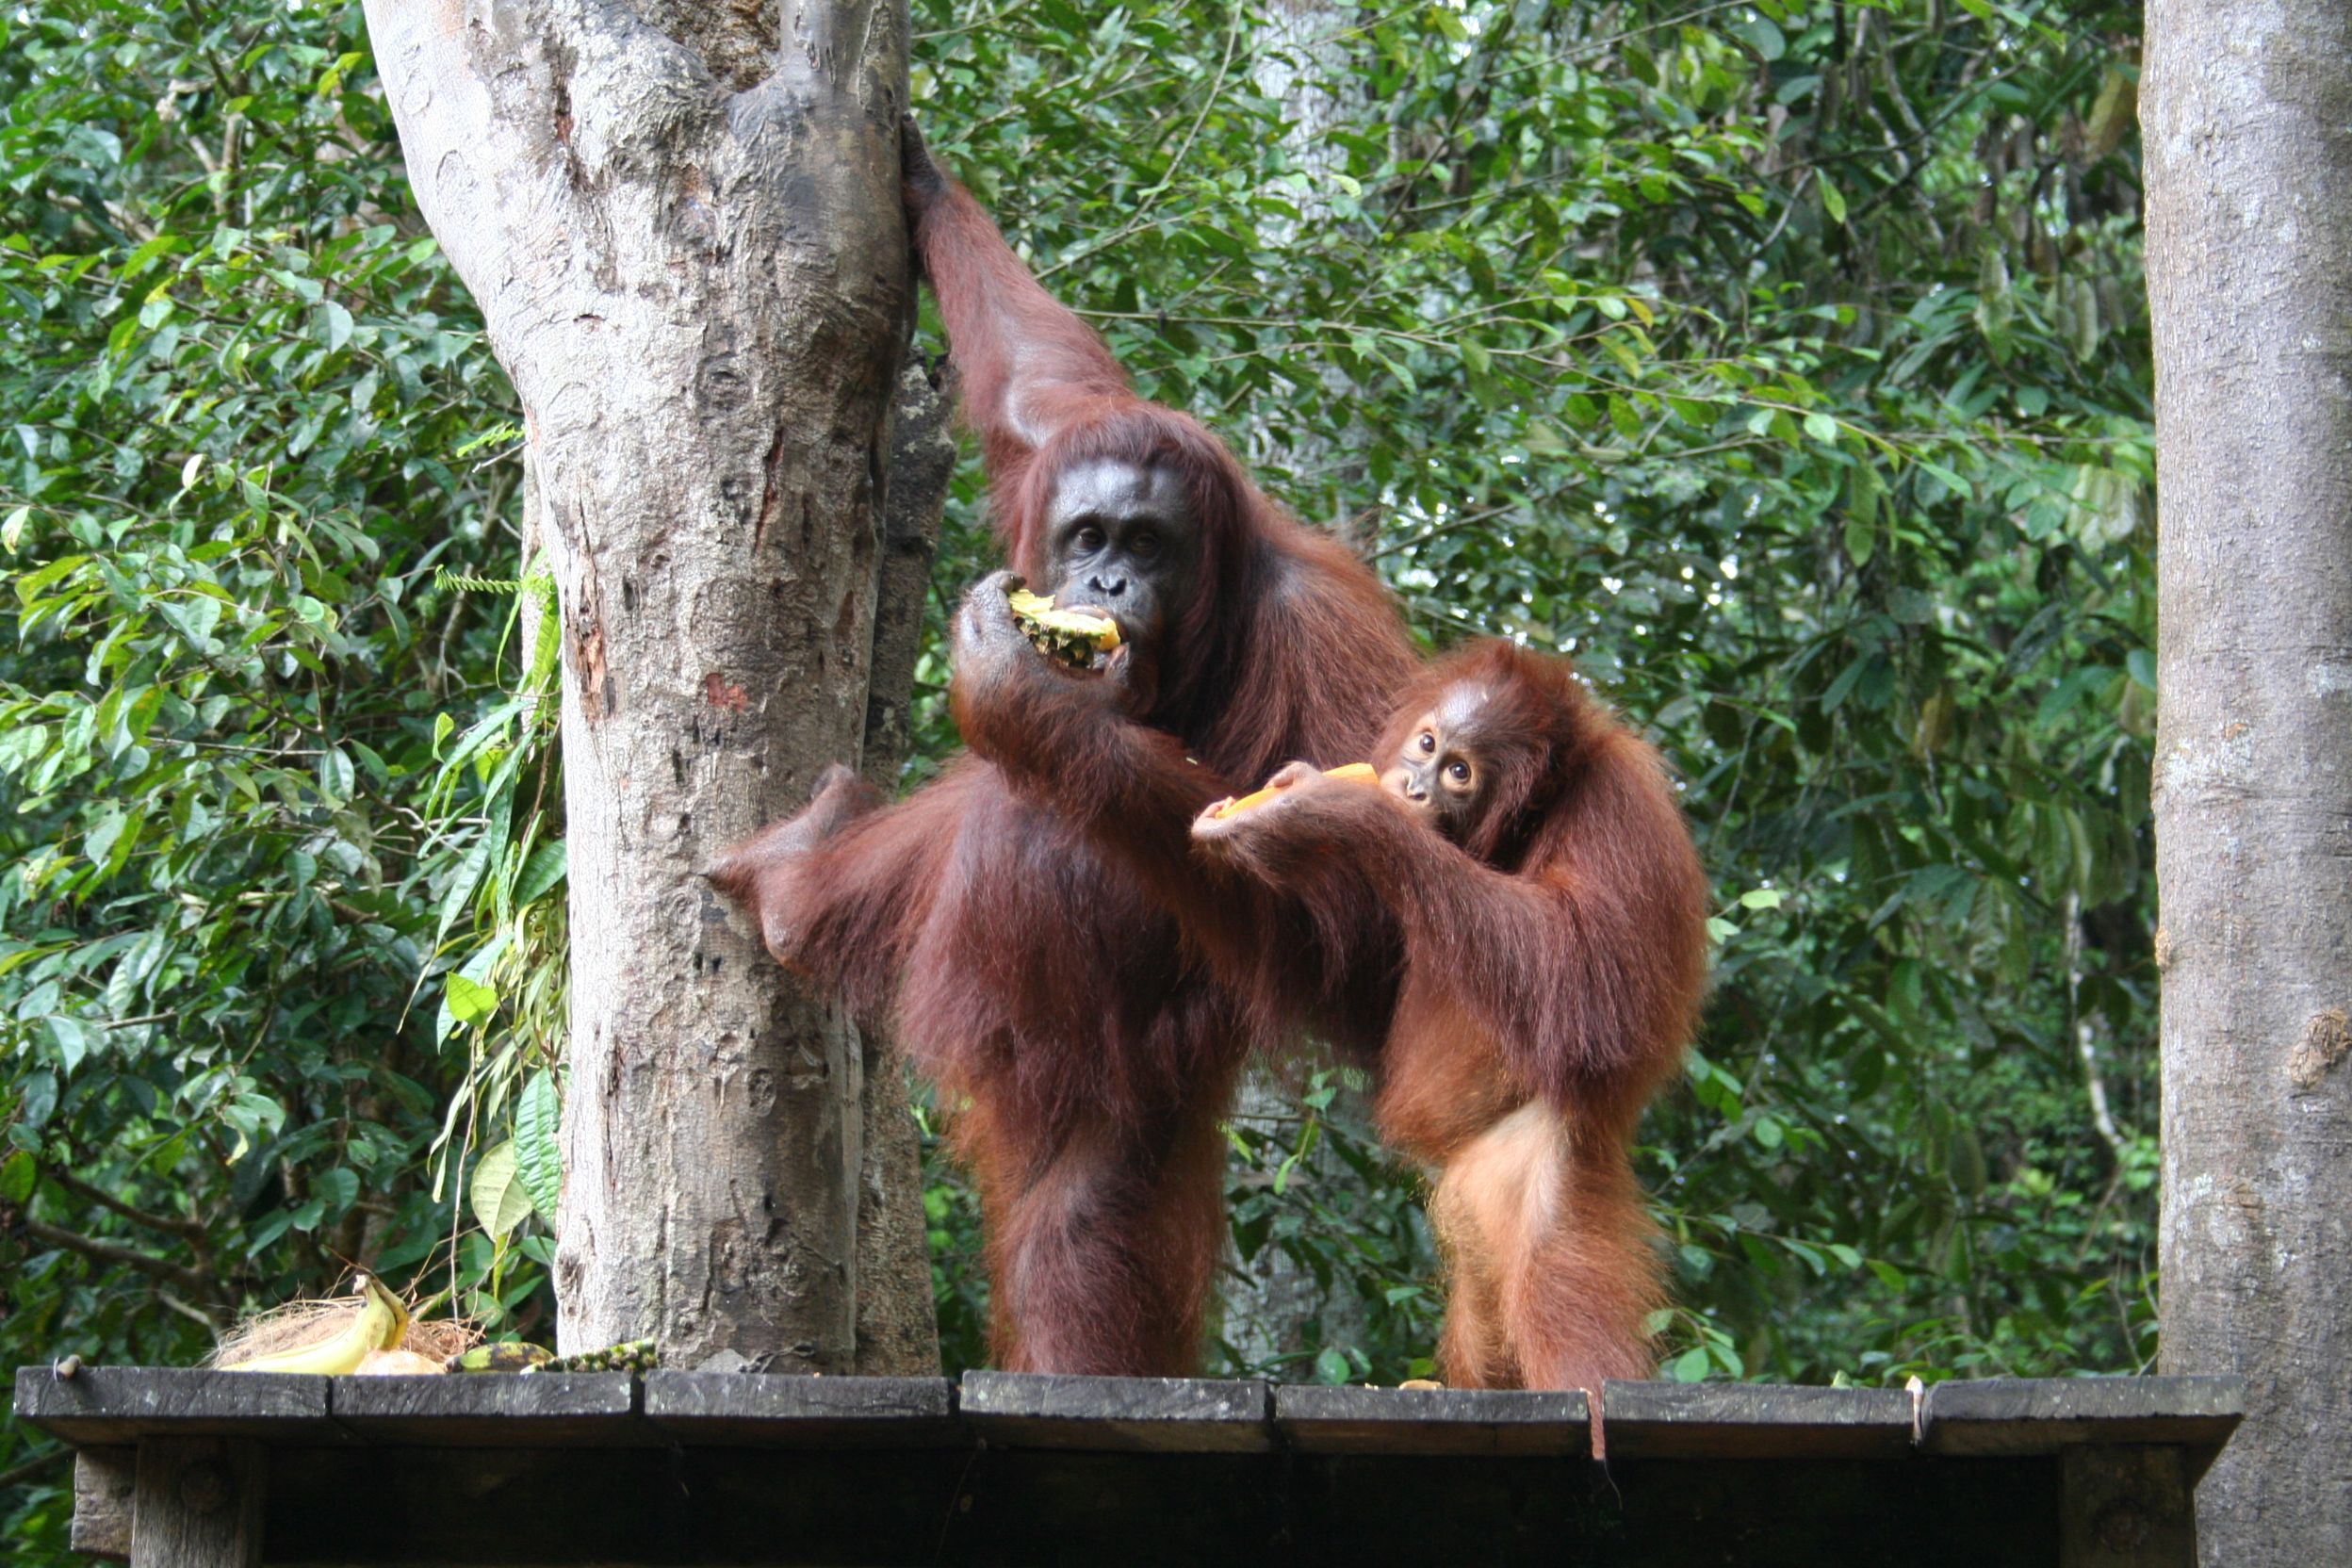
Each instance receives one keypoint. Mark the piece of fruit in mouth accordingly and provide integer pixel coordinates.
(1073, 636)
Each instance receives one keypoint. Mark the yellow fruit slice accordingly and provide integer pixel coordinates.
(1351, 773)
(1073, 636)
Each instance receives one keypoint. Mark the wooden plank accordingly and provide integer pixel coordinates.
(782, 1410)
(104, 1480)
(544, 1409)
(1163, 1415)
(198, 1503)
(104, 1406)
(1322, 1420)
(1753, 1421)
(2126, 1507)
(2022, 1415)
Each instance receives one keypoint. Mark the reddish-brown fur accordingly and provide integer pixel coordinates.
(1032, 966)
(1554, 963)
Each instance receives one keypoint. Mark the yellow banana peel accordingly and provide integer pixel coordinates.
(380, 1323)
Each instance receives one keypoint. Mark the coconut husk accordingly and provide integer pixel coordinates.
(442, 1337)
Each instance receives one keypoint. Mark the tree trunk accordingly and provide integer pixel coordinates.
(898, 1323)
(2249, 145)
(688, 248)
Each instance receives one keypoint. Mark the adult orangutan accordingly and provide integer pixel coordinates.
(1531, 851)
(1031, 970)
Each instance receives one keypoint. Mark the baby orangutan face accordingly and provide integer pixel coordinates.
(1441, 771)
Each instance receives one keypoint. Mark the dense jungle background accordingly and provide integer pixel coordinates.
(1785, 364)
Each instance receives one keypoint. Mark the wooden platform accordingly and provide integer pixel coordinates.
(208, 1470)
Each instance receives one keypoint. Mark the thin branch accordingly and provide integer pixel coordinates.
(123, 1257)
(16, 1475)
(192, 1229)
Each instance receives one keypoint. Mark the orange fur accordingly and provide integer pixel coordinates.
(1553, 965)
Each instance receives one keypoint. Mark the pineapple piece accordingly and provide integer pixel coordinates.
(1072, 636)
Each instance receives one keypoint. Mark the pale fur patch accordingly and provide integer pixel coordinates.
(1506, 1185)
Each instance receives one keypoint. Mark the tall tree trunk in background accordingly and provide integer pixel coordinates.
(1272, 1305)
(2248, 140)
(686, 240)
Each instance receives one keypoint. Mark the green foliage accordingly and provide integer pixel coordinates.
(1785, 364)
(243, 395)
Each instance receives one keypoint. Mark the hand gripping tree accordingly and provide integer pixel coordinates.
(685, 234)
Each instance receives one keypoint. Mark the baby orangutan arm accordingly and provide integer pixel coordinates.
(1586, 964)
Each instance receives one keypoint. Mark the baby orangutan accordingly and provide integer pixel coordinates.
(1532, 855)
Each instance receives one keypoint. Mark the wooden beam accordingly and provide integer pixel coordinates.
(1754, 1421)
(198, 1503)
(2126, 1507)
(546, 1410)
(1197, 1416)
(791, 1413)
(2043, 1415)
(1316, 1420)
(104, 1480)
(106, 1405)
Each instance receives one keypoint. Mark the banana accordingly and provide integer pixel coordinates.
(380, 1323)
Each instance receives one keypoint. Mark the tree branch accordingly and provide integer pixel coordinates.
(187, 1279)
(192, 1229)
(17, 1473)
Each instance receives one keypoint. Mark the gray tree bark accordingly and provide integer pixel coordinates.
(2248, 140)
(686, 239)
(898, 1322)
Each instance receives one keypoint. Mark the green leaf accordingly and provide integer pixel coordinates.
(1762, 36)
(36, 1098)
(1760, 898)
(1333, 1366)
(338, 1189)
(1832, 200)
(498, 1201)
(541, 872)
(193, 615)
(538, 1145)
(1861, 541)
(1691, 1366)
(470, 1001)
(17, 1174)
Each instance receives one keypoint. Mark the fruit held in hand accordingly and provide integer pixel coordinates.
(1072, 636)
(1351, 773)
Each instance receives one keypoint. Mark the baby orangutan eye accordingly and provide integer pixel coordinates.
(1428, 741)
(1459, 771)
